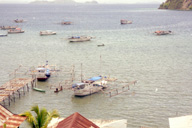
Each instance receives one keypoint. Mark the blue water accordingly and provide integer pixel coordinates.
(162, 65)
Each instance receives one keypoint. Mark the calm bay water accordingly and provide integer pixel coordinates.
(162, 65)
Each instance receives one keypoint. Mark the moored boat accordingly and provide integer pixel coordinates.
(38, 89)
(7, 27)
(163, 32)
(66, 23)
(47, 32)
(125, 22)
(43, 74)
(19, 21)
(79, 38)
(17, 30)
(3, 35)
(90, 86)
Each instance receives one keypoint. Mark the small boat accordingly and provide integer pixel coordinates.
(47, 32)
(58, 90)
(89, 87)
(100, 45)
(125, 22)
(7, 27)
(79, 38)
(66, 23)
(43, 74)
(17, 30)
(38, 89)
(3, 35)
(163, 32)
(19, 21)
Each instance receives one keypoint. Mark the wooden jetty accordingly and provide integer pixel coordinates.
(15, 86)
(119, 90)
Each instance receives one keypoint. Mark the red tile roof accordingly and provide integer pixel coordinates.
(11, 120)
(76, 121)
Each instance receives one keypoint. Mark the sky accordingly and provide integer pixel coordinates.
(99, 1)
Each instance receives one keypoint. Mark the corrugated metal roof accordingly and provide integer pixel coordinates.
(76, 121)
(11, 120)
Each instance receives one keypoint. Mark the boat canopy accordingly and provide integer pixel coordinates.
(95, 78)
(77, 84)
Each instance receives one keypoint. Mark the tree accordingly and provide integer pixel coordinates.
(42, 118)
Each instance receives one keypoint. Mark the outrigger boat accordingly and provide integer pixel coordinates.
(163, 32)
(79, 38)
(90, 86)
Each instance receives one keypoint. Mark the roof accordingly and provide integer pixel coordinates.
(181, 122)
(11, 120)
(76, 121)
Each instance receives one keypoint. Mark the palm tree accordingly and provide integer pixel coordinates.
(42, 118)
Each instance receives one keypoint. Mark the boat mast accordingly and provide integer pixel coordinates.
(81, 73)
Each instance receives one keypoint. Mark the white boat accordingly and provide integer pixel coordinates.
(90, 86)
(125, 22)
(47, 32)
(163, 32)
(17, 30)
(43, 74)
(79, 38)
(3, 35)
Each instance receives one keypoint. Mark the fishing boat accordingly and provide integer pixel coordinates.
(7, 27)
(100, 45)
(66, 23)
(14, 31)
(79, 38)
(38, 89)
(163, 32)
(47, 32)
(19, 21)
(43, 74)
(90, 86)
(125, 22)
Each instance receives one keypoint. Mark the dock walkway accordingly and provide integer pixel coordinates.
(15, 85)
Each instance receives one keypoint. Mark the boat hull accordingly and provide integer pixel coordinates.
(37, 89)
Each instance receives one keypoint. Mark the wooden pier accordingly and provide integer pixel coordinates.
(13, 87)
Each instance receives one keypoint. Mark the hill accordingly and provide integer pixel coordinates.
(177, 5)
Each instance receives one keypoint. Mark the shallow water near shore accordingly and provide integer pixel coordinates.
(162, 65)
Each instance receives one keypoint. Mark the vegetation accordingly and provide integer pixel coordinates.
(42, 118)
(176, 4)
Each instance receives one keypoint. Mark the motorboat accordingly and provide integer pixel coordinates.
(47, 32)
(79, 38)
(19, 21)
(43, 74)
(3, 35)
(66, 23)
(125, 22)
(7, 27)
(89, 87)
(16, 30)
(163, 32)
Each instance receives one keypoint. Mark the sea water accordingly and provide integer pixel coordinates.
(162, 65)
